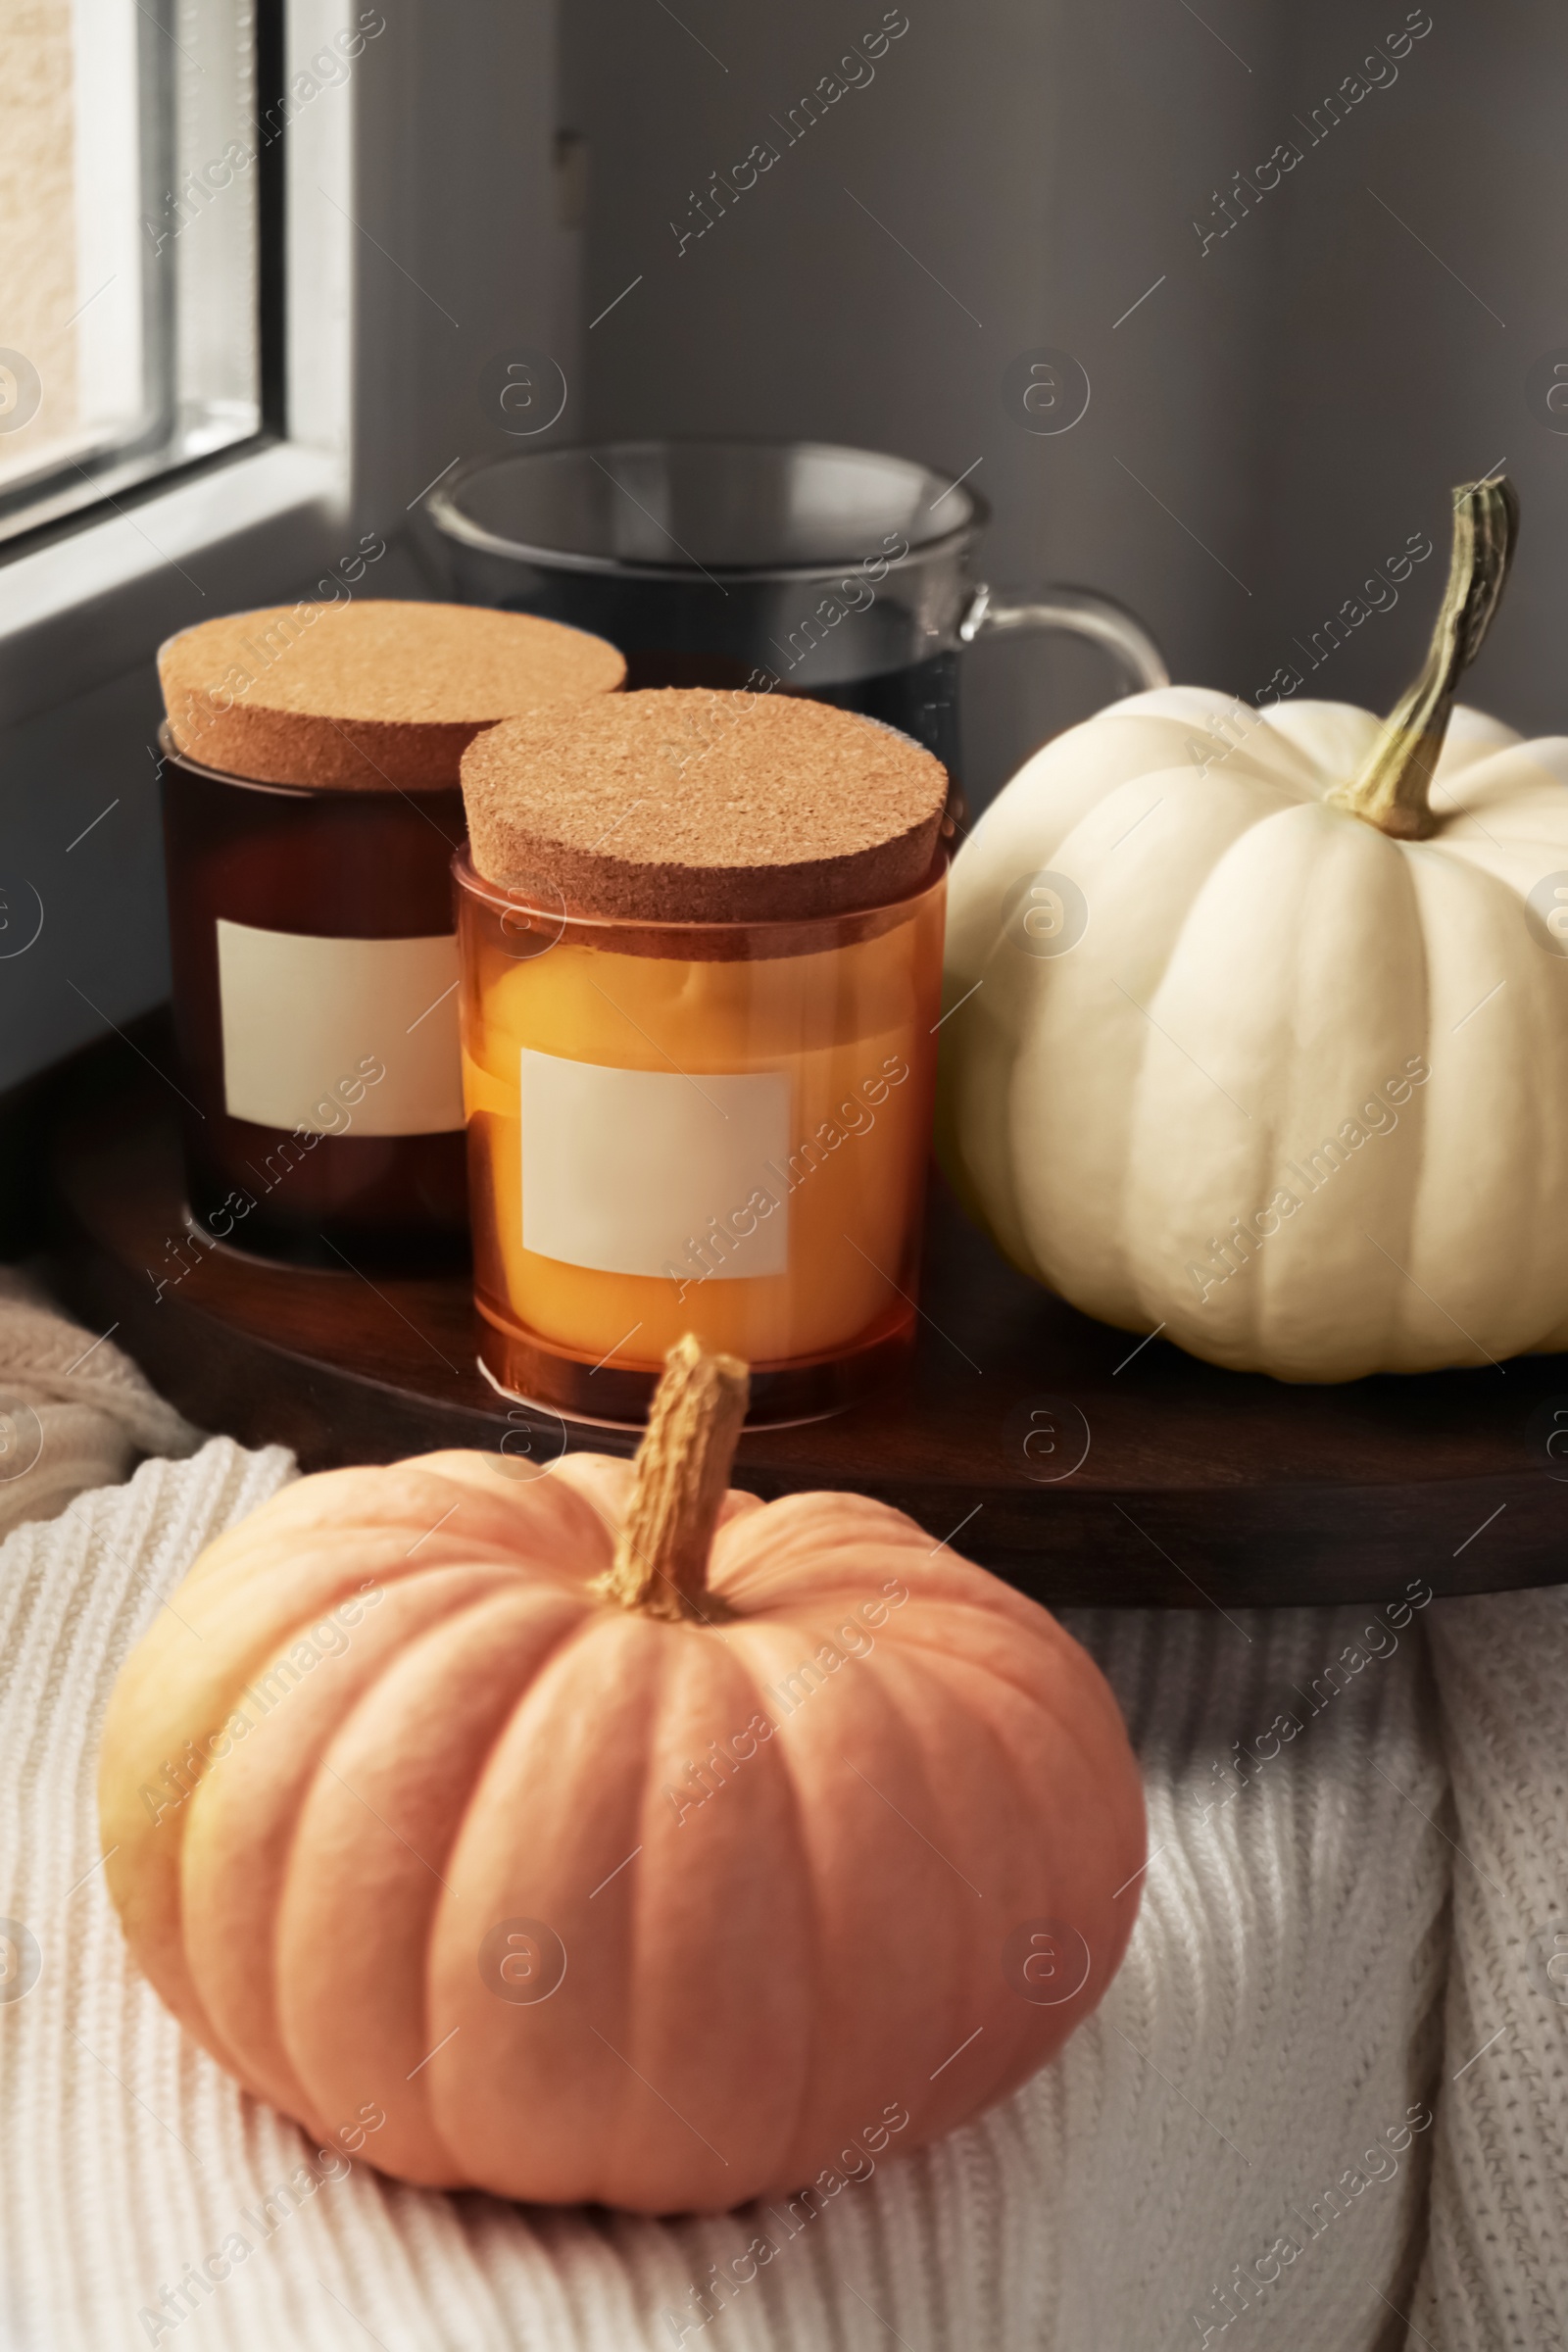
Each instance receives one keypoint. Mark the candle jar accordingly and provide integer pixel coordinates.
(311, 810)
(314, 972)
(717, 1127)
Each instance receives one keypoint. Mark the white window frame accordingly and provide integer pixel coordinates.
(363, 161)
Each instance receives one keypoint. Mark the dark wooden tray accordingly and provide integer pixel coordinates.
(1078, 1464)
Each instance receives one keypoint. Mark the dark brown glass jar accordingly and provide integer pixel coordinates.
(338, 1134)
(311, 813)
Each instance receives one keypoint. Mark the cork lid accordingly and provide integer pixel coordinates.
(367, 694)
(687, 805)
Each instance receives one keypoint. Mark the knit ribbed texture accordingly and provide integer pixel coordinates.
(1231, 2107)
(1276, 2017)
(1496, 2275)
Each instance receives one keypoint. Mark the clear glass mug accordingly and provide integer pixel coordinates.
(838, 573)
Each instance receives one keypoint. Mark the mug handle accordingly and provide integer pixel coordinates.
(1138, 660)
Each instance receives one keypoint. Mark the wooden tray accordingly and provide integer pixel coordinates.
(1078, 1464)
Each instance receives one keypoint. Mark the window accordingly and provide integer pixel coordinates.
(135, 177)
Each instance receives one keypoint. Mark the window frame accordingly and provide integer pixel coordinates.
(90, 596)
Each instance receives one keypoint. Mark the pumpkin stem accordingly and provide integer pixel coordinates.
(682, 1469)
(1392, 788)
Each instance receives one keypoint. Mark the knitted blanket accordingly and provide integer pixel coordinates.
(1311, 2115)
(73, 1412)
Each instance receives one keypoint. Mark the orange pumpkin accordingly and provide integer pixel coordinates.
(620, 1838)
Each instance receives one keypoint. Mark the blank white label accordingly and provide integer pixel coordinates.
(647, 1172)
(308, 1021)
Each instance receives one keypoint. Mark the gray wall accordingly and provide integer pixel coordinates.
(1392, 379)
(1299, 395)
(98, 897)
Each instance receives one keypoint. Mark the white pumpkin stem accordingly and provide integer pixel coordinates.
(1395, 781)
(682, 1471)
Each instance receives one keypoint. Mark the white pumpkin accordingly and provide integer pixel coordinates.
(1226, 1058)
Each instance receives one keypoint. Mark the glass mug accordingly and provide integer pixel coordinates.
(836, 573)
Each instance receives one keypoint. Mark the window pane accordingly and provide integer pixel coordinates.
(129, 155)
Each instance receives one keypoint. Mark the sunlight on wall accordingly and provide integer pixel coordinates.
(38, 411)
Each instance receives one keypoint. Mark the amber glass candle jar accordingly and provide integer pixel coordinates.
(311, 811)
(682, 1118)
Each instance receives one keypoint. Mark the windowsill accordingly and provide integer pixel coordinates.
(69, 479)
(91, 605)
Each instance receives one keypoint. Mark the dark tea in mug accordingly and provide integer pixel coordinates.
(797, 566)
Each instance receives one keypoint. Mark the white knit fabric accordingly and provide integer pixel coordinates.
(1278, 2017)
(1496, 2274)
(73, 1412)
